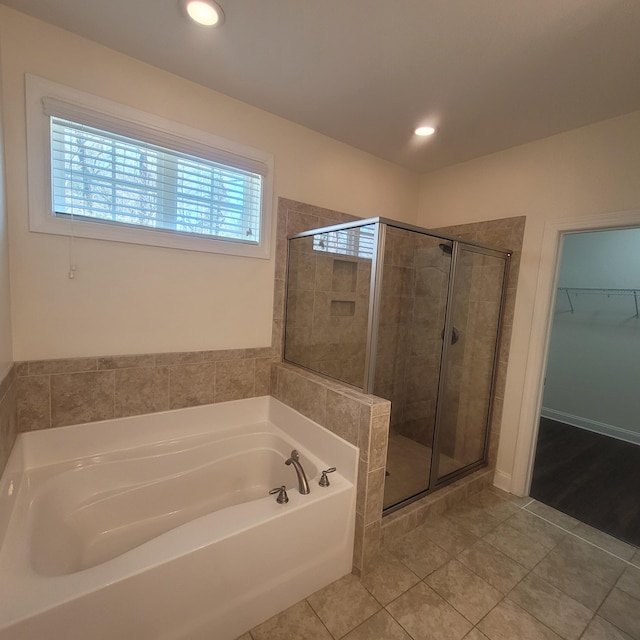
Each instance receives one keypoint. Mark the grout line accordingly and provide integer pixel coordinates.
(575, 535)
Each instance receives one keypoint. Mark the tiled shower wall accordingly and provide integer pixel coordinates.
(505, 233)
(328, 310)
(414, 294)
(360, 419)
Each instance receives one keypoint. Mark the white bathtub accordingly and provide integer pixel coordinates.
(161, 527)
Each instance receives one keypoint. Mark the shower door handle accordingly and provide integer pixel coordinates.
(455, 335)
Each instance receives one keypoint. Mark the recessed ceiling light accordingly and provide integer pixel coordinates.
(424, 131)
(205, 12)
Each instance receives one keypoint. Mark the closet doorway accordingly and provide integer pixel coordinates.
(587, 460)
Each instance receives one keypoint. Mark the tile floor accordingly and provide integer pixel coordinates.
(495, 567)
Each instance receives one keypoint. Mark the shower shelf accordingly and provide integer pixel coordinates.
(577, 291)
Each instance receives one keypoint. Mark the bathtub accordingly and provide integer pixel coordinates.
(161, 526)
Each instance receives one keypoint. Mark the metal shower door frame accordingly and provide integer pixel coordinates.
(443, 375)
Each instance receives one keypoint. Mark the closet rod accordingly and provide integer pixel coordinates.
(601, 291)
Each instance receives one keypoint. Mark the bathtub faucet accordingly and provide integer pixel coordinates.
(303, 483)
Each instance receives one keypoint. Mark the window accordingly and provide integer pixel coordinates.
(115, 173)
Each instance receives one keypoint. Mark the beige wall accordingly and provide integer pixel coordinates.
(6, 349)
(575, 175)
(135, 299)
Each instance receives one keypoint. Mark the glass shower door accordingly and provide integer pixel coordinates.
(470, 357)
(413, 302)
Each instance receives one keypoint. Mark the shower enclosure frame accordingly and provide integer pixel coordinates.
(371, 345)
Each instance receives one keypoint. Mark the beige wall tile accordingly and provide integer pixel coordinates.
(8, 423)
(259, 352)
(143, 390)
(263, 376)
(343, 416)
(358, 544)
(301, 393)
(67, 365)
(371, 544)
(375, 494)
(191, 385)
(33, 403)
(378, 442)
(364, 433)
(223, 355)
(82, 397)
(21, 368)
(235, 380)
(125, 362)
(179, 357)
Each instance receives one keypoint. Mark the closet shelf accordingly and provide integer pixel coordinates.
(578, 291)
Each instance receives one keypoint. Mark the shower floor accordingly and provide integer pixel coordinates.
(408, 468)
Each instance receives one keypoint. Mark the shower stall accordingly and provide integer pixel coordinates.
(412, 316)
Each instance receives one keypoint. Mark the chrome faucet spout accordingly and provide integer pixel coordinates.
(303, 483)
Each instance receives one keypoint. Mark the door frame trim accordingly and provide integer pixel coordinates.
(542, 317)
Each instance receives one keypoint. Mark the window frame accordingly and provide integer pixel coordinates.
(110, 116)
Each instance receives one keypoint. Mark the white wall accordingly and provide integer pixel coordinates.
(581, 175)
(132, 299)
(6, 347)
(594, 353)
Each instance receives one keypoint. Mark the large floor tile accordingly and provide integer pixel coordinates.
(600, 629)
(475, 518)
(493, 566)
(510, 622)
(298, 622)
(573, 579)
(379, 626)
(388, 577)
(605, 541)
(564, 615)
(552, 515)
(418, 553)
(427, 616)
(448, 534)
(343, 605)
(542, 531)
(599, 562)
(630, 581)
(464, 590)
(475, 634)
(516, 545)
(510, 497)
(623, 611)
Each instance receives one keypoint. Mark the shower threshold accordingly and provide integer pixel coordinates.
(408, 469)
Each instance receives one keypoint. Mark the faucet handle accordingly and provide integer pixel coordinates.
(324, 480)
(282, 498)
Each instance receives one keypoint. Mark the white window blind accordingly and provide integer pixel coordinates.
(109, 177)
(103, 170)
(357, 242)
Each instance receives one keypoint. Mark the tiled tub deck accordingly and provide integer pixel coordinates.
(494, 567)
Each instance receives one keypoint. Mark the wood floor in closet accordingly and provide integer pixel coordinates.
(591, 477)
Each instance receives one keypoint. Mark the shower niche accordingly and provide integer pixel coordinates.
(413, 317)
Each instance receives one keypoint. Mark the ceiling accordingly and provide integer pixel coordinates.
(489, 74)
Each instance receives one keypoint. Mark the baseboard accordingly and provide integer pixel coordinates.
(502, 480)
(591, 425)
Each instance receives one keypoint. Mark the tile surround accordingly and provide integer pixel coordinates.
(54, 393)
(8, 414)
